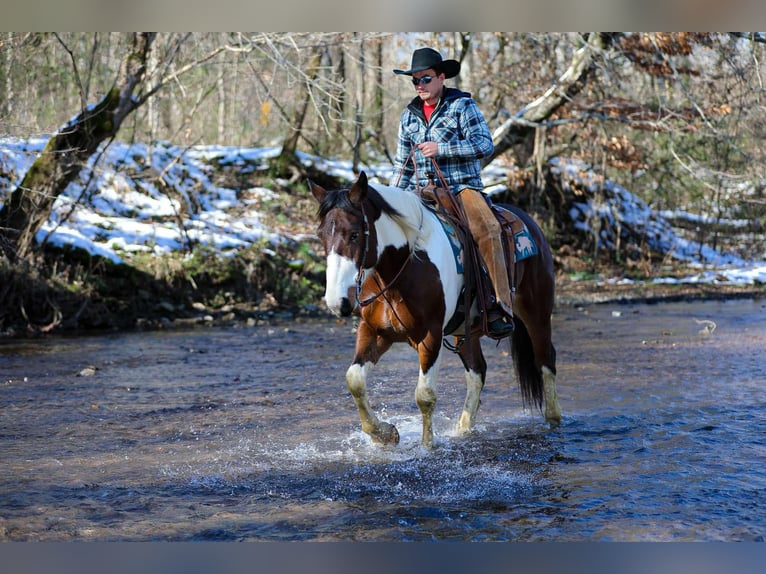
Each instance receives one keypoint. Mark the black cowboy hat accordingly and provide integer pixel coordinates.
(428, 58)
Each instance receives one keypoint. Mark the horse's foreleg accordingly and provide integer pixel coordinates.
(475, 375)
(425, 392)
(356, 380)
(369, 348)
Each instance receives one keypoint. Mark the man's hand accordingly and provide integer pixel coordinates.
(429, 149)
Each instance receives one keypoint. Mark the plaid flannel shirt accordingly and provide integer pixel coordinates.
(463, 137)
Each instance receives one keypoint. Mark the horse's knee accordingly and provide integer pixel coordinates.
(425, 398)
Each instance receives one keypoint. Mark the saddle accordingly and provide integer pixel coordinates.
(446, 205)
(477, 281)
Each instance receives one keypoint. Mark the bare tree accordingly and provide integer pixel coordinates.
(623, 102)
(517, 133)
(69, 149)
(63, 157)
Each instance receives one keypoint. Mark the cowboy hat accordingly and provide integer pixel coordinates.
(428, 58)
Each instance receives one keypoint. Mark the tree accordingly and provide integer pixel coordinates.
(69, 149)
(31, 202)
(517, 133)
(653, 112)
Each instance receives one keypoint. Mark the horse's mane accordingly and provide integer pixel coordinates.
(406, 208)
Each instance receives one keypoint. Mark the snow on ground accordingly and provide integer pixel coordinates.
(131, 199)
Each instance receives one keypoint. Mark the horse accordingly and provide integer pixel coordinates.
(391, 263)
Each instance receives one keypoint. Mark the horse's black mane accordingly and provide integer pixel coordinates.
(339, 199)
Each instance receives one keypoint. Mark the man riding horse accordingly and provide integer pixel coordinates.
(445, 125)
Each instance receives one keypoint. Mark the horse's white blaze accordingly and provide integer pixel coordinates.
(341, 274)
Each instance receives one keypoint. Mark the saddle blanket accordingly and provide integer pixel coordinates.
(525, 245)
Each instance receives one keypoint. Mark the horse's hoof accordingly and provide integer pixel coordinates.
(386, 434)
(554, 422)
(464, 425)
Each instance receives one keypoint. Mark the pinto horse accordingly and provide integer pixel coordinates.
(391, 262)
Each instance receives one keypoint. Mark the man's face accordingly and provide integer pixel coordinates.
(431, 91)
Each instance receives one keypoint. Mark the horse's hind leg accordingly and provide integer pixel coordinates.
(545, 358)
(552, 407)
(475, 375)
(538, 325)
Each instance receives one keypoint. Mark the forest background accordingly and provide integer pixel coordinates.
(676, 119)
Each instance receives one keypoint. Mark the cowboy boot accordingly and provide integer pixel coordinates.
(499, 323)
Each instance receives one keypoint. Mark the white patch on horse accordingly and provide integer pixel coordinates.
(427, 236)
(356, 378)
(341, 274)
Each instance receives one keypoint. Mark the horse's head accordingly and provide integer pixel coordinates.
(344, 230)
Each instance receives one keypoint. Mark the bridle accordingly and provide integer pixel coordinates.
(365, 223)
(363, 258)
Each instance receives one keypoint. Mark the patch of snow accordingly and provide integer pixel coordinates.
(126, 208)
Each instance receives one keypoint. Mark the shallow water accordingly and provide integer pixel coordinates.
(250, 434)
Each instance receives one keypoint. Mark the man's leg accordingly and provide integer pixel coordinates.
(486, 231)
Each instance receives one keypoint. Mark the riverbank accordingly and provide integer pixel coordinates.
(585, 292)
(55, 294)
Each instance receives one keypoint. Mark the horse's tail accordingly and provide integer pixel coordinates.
(530, 377)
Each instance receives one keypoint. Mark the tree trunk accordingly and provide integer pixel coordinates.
(518, 133)
(378, 110)
(30, 205)
(359, 103)
(290, 143)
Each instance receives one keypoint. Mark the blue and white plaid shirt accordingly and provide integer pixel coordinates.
(463, 137)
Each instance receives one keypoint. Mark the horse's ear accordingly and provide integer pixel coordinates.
(358, 191)
(317, 191)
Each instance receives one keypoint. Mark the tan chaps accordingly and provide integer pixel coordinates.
(486, 231)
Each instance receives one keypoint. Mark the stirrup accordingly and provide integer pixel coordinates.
(501, 327)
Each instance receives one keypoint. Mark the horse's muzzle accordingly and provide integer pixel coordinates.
(346, 307)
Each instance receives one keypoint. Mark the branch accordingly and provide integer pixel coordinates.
(516, 130)
(174, 76)
(758, 37)
(74, 67)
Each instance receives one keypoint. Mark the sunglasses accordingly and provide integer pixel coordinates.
(422, 81)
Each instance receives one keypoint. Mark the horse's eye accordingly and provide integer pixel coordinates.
(354, 237)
